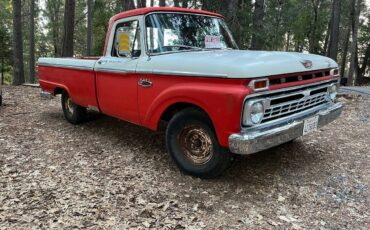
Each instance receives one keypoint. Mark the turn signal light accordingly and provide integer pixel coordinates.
(259, 84)
(334, 72)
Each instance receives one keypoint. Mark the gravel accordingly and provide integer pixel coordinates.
(109, 174)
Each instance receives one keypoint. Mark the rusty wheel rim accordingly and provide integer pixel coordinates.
(196, 144)
(69, 105)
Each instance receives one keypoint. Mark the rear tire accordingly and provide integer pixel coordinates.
(192, 144)
(73, 113)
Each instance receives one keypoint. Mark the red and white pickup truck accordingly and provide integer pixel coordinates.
(183, 67)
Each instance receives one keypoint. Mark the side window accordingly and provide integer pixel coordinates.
(127, 40)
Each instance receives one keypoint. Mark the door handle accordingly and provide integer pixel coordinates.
(145, 83)
(100, 62)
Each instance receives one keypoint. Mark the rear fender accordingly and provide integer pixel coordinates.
(52, 87)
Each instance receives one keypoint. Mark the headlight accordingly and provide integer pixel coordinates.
(253, 112)
(333, 91)
(257, 113)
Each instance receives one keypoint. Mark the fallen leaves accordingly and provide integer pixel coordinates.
(110, 174)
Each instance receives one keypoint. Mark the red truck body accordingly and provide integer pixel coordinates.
(144, 92)
(107, 92)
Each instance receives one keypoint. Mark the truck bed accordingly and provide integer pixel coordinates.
(76, 75)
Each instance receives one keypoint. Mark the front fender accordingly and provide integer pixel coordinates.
(222, 103)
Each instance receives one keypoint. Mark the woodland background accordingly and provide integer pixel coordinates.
(339, 29)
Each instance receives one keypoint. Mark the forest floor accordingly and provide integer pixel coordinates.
(362, 90)
(109, 174)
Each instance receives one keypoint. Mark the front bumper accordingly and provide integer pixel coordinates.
(258, 140)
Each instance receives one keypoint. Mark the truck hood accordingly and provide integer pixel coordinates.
(238, 63)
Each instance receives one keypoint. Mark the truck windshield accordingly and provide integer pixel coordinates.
(176, 32)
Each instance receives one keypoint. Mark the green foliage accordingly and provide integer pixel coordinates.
(53, 13)
(364, 35)
(288, 25)
(80, 28)
(103, 11)
(243, 32)
(6, 60)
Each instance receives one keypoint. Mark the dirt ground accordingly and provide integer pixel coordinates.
(109, 174)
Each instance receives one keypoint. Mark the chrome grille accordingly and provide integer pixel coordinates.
(289, 102)
(294, 106)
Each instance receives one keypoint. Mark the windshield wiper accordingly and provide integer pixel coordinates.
(190, 48)
(186, 47)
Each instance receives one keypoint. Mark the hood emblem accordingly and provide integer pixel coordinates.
(306, 93)
(307, 64)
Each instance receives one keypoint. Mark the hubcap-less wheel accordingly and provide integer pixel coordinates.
(193, 145)
(196, 144)
(69, 105)
(73, 113)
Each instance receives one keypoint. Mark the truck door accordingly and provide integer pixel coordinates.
(116, 78)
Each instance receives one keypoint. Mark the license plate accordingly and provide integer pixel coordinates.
(310, 125)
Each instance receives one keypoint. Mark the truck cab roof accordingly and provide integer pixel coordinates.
(148, 10)
(144, 11)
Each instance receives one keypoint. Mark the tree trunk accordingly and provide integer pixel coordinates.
(230, 11)
(18, 69)
(185, 4)
(278, 22)
(327, 36)
(141, 3)
(257, 27)
(162, 3)
(128, 4)
(230, 8)
(287, 42)
(2, 70)
(356, 7)
(312, 39)
(151, 3)
(32, 41)
(365, 61)
(345, 52)
(69, 24)
(205, 5)
(176, 3)
(55, 28)
(334, 32)
(90, 7)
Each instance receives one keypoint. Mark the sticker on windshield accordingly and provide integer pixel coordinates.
(212, 42)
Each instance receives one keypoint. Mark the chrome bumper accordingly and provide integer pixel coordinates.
(258, 140)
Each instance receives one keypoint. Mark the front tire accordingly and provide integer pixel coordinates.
(192, 144)
(72, 112)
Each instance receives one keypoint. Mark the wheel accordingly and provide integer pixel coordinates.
(73, 113)
(192, 144)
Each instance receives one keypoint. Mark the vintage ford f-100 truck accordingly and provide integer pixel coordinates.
(183, 67)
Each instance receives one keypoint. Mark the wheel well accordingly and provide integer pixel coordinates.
(175, 108)
(58, 90)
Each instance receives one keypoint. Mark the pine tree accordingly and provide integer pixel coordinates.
(18, 69)
(69, 25)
